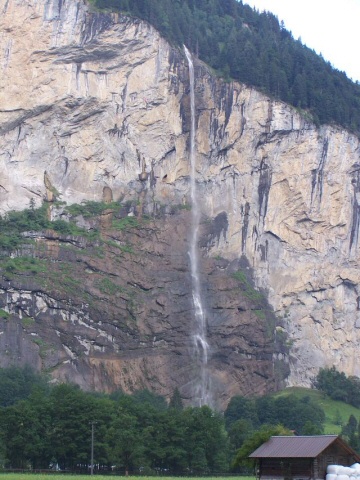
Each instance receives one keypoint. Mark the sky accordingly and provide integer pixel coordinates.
(330, 27)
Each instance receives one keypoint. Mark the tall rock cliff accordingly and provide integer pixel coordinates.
(95, 105)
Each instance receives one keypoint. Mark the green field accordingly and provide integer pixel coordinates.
(46, 476)
(335, 412)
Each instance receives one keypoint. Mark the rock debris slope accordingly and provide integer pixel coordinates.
(93, 103)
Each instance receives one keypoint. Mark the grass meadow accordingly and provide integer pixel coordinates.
(336, 413)
(47, 476)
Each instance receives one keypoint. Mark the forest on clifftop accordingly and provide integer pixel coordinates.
(254, 48)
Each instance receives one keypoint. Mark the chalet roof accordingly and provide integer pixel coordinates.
(299, 447)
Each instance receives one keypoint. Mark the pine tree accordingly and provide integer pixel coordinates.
(176, 400)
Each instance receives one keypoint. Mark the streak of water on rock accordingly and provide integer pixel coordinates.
(202, 392)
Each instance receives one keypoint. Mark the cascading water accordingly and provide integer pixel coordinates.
(203, 388)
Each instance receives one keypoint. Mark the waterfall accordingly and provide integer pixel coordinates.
(202, 392)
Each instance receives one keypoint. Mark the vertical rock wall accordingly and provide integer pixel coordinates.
(290, 191)
(95, 100)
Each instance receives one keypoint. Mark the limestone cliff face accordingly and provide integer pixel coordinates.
(91, 100)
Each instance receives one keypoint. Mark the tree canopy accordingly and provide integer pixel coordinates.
(254, 48)
(296, 414)
(47, 424)
(338, 386)
(256, 440)
(132, 432)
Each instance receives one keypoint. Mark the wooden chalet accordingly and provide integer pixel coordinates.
(302, 457)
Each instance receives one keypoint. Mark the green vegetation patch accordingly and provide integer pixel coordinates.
(247, 289)
(70, 228)
(43, 346)
(336, 412)
(127, 248)
(14, 223)
(43, 476)
(25, 265)
(125, 223)
(105, 285)
(3, 314)
(65, 278)
(27, 321)
(90, 209)
(260, 314)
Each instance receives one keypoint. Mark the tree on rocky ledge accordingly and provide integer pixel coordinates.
(176, 400)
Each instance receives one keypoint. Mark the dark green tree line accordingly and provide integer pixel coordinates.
(140, 432)
(296, 414)
(132, 432)
(338, 386)
(254, 48)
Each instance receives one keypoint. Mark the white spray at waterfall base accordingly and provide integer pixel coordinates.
(202, 392)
